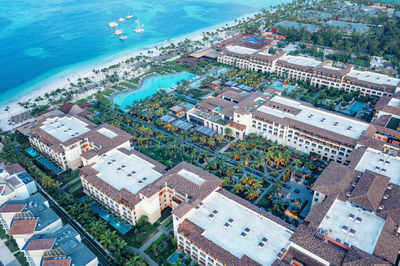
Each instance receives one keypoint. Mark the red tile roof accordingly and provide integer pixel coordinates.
(12, 207)
(40, 244)
(21, 227)
(57, 262)
(14, 168)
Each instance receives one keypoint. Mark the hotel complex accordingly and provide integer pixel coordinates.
(68, 139)
(355, 209)
(247, 55)
(289, 122)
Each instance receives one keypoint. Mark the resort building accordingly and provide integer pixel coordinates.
(68, 139)
(25, 218)
(63, 247)
(224, 229)
(40, 234)
(143, 187)
(355, 211)
(289, 122)
(15, 183)
(317, 73)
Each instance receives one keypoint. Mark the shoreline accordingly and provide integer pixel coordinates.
(62, 78)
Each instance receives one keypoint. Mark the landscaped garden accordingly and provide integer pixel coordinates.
(162, 248)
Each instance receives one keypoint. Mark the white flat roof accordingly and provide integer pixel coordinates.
(339, 124)
(366, 232)
(394, 102)
(301, 60)
(240, 49)
(108, 133)
(122, 171)
(65, 128)
(230, 238)
(380, 163)
(192, 177)
(374, 77)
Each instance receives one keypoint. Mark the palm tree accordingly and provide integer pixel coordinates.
(238, 188)
(135, 260)
(107, 239)
(297, 162)
(47, 182)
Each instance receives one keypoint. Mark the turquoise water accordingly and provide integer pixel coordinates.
(32, 152)
(121, 227)
(49, 165)
(174, 257)
(42, 40)
(278, 85)
(149, 87)
(357, 107)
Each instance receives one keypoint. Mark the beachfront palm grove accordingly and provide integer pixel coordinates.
(271, 141)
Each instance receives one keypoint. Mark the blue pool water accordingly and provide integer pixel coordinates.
(278, 85)
(43, 40)
(121, 227)
(149, 87)
(357, 107)
(174, 257)
(49, 165)
(31, 152)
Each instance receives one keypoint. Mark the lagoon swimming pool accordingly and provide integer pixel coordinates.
(278, 85)
(149, 87)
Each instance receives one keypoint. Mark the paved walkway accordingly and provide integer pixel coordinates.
(223, 149)
(70, 182)
(162, 229)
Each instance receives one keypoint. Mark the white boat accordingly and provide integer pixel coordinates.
(129, 16)
(121, 19)
(139, 28)
(118, 32)
(113, 24)
(123, 37)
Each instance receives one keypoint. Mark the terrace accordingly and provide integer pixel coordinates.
(352, 226)
(380, 163)
(134, 173)
(65, 128)
(240, 230)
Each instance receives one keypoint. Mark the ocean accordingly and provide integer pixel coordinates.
(42, 38)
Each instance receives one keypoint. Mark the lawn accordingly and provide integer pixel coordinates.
(128, 85)
(162, 248)
(119, 88)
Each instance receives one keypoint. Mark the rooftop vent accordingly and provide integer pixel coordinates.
(346, 244)
(243, 234)
(201, 204)
(140, 181)
(226, 225)
(129, 175)
(381, 161)
(144, 178)
(386, 196)
(380, 207)
(211, 216)
(133, 172)
(358, 220)
(109, 163)
(387, 162)
(352, 232)
(348, 193)
(261, 245)
(335, 124)
(389, 187)
(383, 171)
(113, 160)
(345, 228)
(230, 220)
(123, 166)
(215, 212)
(351, 217)
(247, 230)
